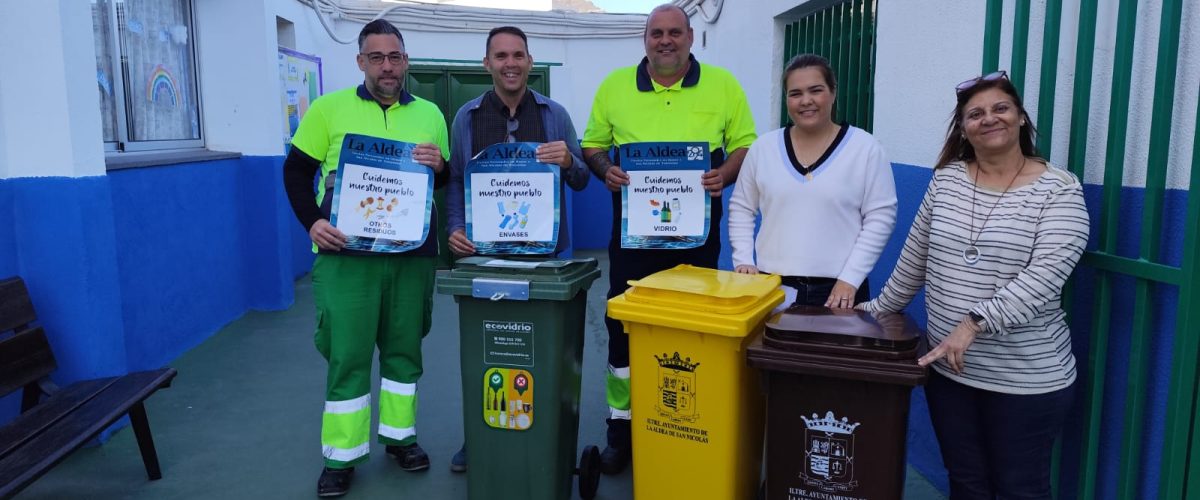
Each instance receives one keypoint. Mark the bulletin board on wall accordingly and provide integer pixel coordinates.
(300, 82)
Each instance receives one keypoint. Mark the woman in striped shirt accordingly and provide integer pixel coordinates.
(996, 237)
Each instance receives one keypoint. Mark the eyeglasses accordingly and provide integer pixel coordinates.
(990, 77)
(513, 125)
(377, 58)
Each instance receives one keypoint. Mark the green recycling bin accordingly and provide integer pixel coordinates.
(521, 345)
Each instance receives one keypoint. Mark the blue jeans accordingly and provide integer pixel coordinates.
(995, 445)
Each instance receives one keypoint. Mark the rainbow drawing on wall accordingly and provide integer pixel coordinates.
(161, 87)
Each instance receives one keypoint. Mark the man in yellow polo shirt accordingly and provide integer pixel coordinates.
(668, 97)
(367, 299)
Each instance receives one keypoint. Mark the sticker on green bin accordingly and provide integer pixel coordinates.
(508, 398)
(507, 343)
(676, 402)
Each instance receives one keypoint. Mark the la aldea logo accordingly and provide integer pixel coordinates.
(677, 388)
(829, 453)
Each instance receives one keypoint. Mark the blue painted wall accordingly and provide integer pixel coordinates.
(1163, 306)
(65, 249)
(8, 241)
(202, 243)
(129, 270)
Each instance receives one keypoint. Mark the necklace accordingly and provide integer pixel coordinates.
(971, 253)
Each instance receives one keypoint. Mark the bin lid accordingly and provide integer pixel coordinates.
(548, 279)
(846, 332)
(700, 300)
(691, 288)
(827, 365)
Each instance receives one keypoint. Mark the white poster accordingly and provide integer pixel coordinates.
(512, 206)
(381, 203)
(666, 203)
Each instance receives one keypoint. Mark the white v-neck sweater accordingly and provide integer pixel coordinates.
(832, 225)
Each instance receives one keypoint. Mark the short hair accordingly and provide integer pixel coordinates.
(511, 30)
(810, 61)
(665, 7)
(378, 27)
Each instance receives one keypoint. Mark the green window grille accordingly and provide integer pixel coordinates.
(844, 33)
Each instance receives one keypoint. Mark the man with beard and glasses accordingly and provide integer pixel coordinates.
(668, 97)
(509, 112)
(366, 300)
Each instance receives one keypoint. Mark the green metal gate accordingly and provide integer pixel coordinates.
(845, 34)
(1180, 465)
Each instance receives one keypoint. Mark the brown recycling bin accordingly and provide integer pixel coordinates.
(837, 385)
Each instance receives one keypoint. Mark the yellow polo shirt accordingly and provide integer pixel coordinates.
(707, 104)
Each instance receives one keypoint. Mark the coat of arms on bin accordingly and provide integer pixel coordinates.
(677, 387)
(829, 453)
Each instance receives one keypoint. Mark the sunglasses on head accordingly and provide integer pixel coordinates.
(990, 77)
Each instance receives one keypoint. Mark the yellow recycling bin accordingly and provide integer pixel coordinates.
(697, 408)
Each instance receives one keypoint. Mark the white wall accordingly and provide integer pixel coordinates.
(919, 61)
(925, 48)
(748, 41)
(239, 76)
(584, 62)
(913, 89)
(50, 121)
(1143, 77)
(49, 103)
(911, 29)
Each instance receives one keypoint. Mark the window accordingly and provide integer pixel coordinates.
(146, 73)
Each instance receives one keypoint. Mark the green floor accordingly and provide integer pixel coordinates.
(242, 420)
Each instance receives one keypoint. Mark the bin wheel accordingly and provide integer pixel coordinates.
(589, 472)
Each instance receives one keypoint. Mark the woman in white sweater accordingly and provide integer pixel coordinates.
(995, 239)
(824, 190)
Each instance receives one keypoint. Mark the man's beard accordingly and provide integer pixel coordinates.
(382, 92)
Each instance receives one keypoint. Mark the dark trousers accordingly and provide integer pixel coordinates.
(633, 264)
(995, 445)
(815, 291)
(625, 264)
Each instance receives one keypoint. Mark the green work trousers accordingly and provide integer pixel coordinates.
(364, 302)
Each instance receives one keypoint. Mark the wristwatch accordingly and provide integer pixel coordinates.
(977, 319)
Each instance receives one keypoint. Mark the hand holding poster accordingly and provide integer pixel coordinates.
(512, 200)
(665, 204)
(382, 199)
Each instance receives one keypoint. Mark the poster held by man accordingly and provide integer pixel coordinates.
(382, 198)
(512, 201)
(665, 204)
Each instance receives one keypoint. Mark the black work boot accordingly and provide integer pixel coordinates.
(411, 458)
(615, 457)
(334, 482)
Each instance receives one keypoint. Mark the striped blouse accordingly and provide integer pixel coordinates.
(1027, 248)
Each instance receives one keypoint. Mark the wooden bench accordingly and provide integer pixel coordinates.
(55, 422)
